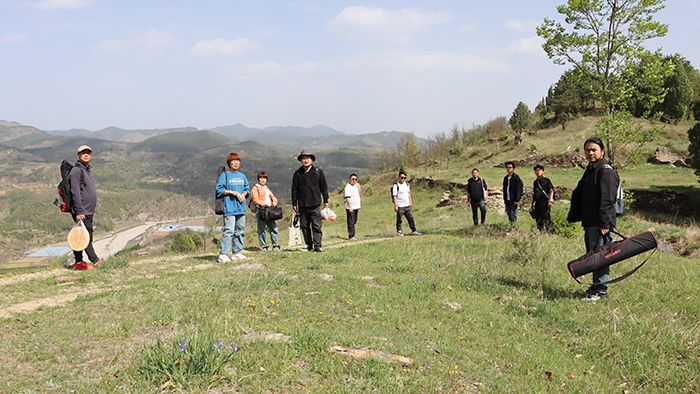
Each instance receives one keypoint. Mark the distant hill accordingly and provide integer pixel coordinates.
(122, 135)
(183, 142)
(278, 134)
(381, 140)
(15, 135)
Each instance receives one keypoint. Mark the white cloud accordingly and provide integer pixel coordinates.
(429, 61)
(219, 46)
(49, 5)
(527, 46)
(152, 39)
(523, 26)
(13, 39)
(379, 24)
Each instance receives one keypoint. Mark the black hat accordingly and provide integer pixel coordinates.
(305, 152)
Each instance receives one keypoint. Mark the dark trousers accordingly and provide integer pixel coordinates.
(543, 217)
(481, 206)
(310, 223)
(593, 239)
(351, 216)
(89, 250)
(408, 213)
(511, 211)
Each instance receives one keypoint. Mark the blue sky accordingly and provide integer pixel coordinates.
(418, 66)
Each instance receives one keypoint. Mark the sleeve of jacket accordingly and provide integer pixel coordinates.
(221, 184)
(295, 187)
(75, 177)
(255, 196)
(246, 185)
(323, 185)
(608, 182)
(519, 189)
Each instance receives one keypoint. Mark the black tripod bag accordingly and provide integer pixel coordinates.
(612, 253)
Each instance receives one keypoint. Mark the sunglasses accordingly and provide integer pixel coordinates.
(403, 177)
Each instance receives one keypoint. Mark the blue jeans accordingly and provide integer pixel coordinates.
(512, 211)
(594, 239)
(234, 229)
(262, 226)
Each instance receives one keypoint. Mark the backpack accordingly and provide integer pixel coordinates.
(219, 201)
(64, 201)
(619, 195)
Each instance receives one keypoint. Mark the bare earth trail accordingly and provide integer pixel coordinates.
(148, 268)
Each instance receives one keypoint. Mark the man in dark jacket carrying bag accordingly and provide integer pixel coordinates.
(84, 200)
(512, 191)
(593, 204)
(308, 188)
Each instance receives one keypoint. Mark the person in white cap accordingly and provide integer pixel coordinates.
(84, 200)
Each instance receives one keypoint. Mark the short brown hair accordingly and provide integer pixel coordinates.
(233, 156)
(262, 174)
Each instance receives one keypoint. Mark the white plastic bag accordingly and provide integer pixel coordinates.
(327, 214)
(295, 233)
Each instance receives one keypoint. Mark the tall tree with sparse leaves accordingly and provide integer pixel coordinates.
(520, 121)
(601, 39)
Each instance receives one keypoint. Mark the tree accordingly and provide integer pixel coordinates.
(694, 148)
(571, 95)
(603, 38)
(520, 121)
(648, 80)
(679, 98)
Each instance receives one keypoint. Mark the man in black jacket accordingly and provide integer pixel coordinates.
(512, 191)
(83, 201)
(308, 188)
(477, 196)
(593, 203)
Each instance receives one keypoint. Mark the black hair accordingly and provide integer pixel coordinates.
(402, 172)
(596, 141)
(510, 163)
(475, 169)
(538, 165)
(353, 175)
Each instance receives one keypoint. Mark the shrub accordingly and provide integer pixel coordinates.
(561, 226)
(115, 262)
(183, 243)
(193, 359)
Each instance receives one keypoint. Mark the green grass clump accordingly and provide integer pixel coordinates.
(190, 361)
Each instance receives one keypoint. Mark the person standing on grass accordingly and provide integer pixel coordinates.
(352, 205)
(593, 204)
(262, 196)
(233, 185)
(512, 192)
(403, 204)
(309, 187)
(542, 199)
(477, 196)
(84, 201)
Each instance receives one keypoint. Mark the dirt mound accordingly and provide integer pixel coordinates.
(666, 156)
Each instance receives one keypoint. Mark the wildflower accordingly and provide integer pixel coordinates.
(183, 345)
(234, 347)
(219, 345)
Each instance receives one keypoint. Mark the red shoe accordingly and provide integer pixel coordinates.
(82, 266)
(98, 263)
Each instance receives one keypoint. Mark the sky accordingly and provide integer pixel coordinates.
(418, 66)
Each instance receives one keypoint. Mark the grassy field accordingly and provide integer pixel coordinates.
(521, 325)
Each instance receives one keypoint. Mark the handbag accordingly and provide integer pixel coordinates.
(272, 213)
(295, 232)
(219, 201)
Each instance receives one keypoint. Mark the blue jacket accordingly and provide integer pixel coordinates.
(238, 182)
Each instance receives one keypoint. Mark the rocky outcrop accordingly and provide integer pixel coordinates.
(666, 156)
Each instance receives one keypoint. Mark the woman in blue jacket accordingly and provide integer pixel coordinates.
(233, 185)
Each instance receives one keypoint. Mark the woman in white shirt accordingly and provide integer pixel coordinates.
(352, 205)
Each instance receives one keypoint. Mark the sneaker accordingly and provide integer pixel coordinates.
(399, 233)
(98, 263)
(239, 256)
(82, 266)
(593, 295)
(416, 233)
(319, 250)
(352, 239)
(265, 248)
(223, 259)
(276, 248)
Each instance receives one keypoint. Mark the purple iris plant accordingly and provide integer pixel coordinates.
(183, 345)
(219, 345)
(234, 347)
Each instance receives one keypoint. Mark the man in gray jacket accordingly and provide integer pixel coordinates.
(84, 200)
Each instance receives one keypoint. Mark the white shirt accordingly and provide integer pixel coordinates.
(402, 194)
(352, 196)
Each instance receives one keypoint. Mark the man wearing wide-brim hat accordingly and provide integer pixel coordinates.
(309, 190)
(84, 201)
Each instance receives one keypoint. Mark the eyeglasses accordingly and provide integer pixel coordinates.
(402, 177)
(353, 179)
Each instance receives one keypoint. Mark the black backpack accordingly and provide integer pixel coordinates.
(219, 201)
(64, 201)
